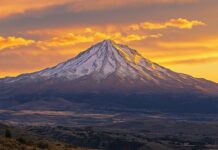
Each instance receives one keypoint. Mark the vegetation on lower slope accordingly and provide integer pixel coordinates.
(21, 144)
(17, 139)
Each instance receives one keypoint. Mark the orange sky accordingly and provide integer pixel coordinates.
(179, 34)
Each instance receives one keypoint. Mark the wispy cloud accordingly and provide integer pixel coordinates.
(180, 23)
(70, 39)
(12, 42)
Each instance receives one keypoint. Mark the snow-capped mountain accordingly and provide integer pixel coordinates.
(109, 76)
(111, 65)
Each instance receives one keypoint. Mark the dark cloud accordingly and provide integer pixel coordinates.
(63, 16)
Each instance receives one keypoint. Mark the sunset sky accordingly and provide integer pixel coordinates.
(179, 34)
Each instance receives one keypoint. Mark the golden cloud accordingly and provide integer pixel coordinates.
(12, 42)
(119, 37)
(89, 35)
(57, 37)
(67, 40)
(180, 23)
(183, 23)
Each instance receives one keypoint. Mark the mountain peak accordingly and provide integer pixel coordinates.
(122, 50)
(108, 58)
(100, 61)
(108, 41)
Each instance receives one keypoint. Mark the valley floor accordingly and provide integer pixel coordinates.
(144, 134)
